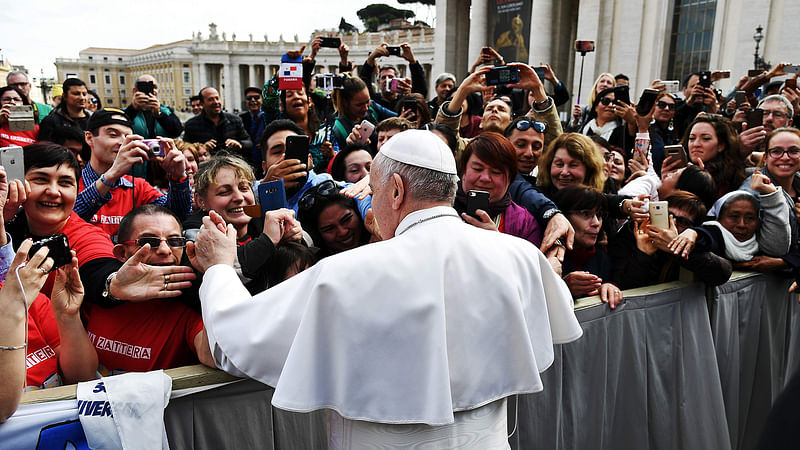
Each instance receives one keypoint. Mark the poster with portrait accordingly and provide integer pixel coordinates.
(510, 28)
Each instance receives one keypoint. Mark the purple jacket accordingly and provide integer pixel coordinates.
(517, 221)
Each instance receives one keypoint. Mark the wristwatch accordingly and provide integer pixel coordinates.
(107, 289)
(550, 213)
(542, 105)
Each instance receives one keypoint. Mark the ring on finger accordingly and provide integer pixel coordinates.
(166, 278)
(45, 271)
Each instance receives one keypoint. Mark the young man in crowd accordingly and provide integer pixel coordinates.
(106, 193)
(71, 112)
(385, 96)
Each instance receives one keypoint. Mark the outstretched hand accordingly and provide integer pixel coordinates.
(215, 244)
(138, 281)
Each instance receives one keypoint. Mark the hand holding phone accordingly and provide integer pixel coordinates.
(477, 200)
(366, 130)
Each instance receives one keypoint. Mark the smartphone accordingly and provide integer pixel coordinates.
(790, 83)
(676, 152)
(477, 200)
(724, 74)
(646, 101)
(331, 42)
(11, 158)
(659, 214)
(297, 148)
(755, 118)
(540, 71)
(394, 50)
(58, 249)
(145, 87)
(584, 46)
(410, 104)
(20, 118)
(502, 75)
(622, 94)
(705, 79)
(754, 72)
(391, 84)
(740, 97)
(272, 195)
(793, 68)
(672, 86)
(366, 130)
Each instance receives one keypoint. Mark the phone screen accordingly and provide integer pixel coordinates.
(502, 75)
(145, 87)
(755, 118)
(646, 101)
(330, 42)
(297, 148)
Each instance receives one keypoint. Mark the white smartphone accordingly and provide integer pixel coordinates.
(673, 86)
(366, 130)
(794, 68)
(659, 214)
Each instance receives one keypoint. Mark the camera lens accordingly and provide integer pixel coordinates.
(154, 147)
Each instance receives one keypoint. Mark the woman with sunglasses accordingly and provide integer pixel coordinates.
(93, 102)
(603, 118)
(11, 96)
(223, 184)
(489, 164)
(587, 268)
(332, 219)
(580, 115)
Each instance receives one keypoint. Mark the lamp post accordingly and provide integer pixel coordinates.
(758, 36)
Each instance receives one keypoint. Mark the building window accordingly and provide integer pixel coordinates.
(122, 79)
(92, 78)
(91, 57)
(690, 41)
(71, 75)
(122, 92)
(187, 91)
(170, 77)
(187, 77)
(109, 92)
(109, 101)
(108, 79)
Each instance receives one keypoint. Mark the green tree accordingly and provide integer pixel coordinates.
(378, 14)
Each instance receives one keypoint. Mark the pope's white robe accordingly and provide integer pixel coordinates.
(443, 317)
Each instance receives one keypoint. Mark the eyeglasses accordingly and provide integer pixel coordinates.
(606, 101)
(664, 105)
(326, 189)
(776, 152)
(776, 114)
(525, 124)
(5, 100)
(18, 85)
(155, 242)
(588, 214)
(253, 97)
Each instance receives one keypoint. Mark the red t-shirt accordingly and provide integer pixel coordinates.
(143, 336)
(21, 138)
(41, 363)
(89, 243)
(122, 202)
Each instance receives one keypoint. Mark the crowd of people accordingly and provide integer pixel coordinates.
(130, 189)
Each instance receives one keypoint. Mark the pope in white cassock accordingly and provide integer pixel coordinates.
(418, 338)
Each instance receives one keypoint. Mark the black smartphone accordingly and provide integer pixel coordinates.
(331, 42)
(740, 97)
(297, 148)
(540, 71)
(410, 104)
(394, 50)
(477, 200)
(622, 94)
(790, 83)
(705, 79)
(755, 118)
(58, 249)
(676, 152)
(754, 72)
(584, 46)
(646, 101)
(145, 87)
(502, 75)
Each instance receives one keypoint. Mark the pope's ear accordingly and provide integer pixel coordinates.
(398, 191)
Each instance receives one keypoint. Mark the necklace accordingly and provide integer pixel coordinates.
(425, 219)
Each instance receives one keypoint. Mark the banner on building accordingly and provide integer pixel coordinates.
(510, 28)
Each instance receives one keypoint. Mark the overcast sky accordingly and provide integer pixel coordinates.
(35, 33)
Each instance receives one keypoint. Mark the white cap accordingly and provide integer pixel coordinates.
(420, 148)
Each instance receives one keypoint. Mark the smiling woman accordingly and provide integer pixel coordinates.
(571, 159)
(332, 219)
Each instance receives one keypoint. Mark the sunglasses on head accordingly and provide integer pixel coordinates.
(525, 124)
(326, 189)
(664, 105)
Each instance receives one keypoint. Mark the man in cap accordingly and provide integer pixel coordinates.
(106, 193)
(402, 332)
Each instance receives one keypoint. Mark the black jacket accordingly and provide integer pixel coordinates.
(201, 129)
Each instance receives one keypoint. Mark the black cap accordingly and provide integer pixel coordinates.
(108, 116)
(252, 89)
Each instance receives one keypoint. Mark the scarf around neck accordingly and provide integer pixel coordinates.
(736, 251)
